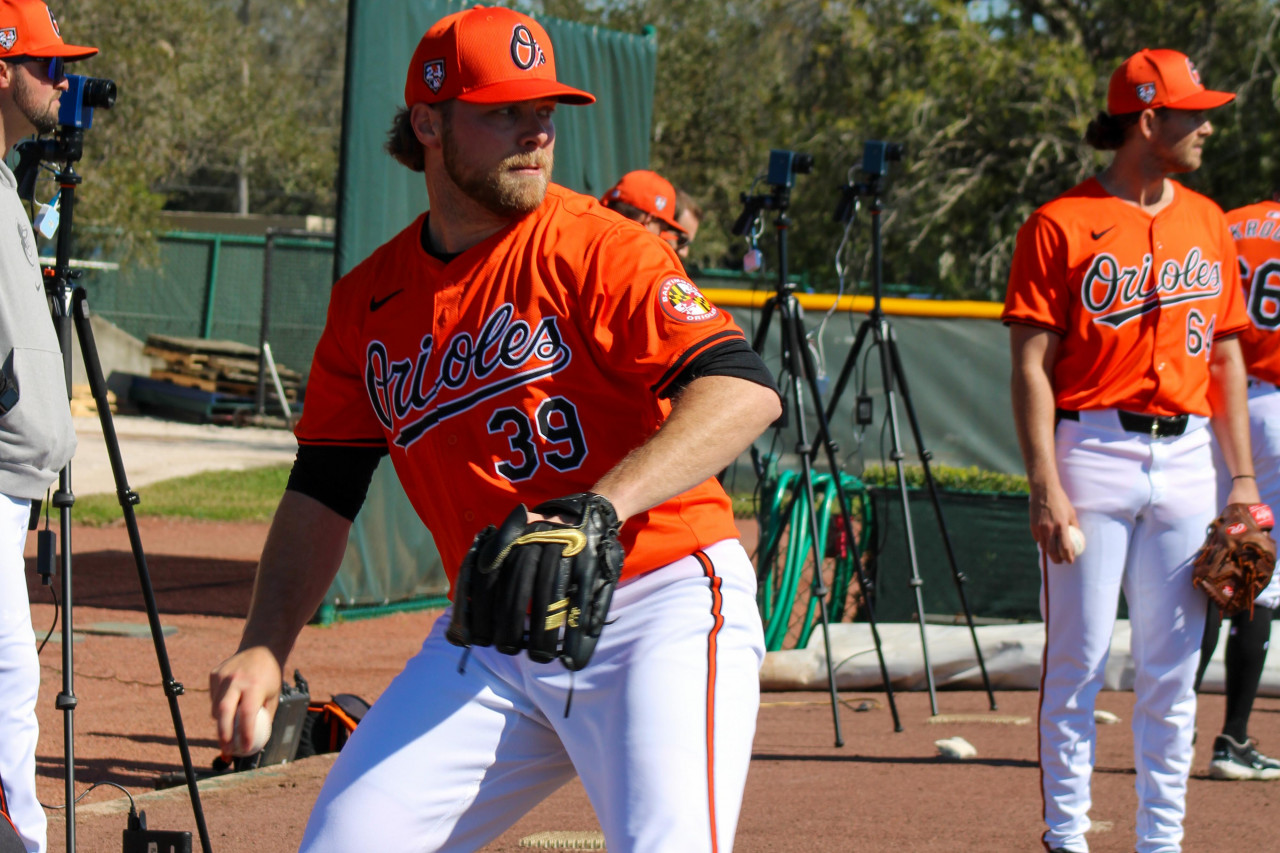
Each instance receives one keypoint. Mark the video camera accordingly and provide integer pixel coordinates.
(785, 165)
(876, 157)
(82, 95)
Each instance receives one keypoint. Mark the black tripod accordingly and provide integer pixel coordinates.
(882, 340)
(68, 306)
(798, 365)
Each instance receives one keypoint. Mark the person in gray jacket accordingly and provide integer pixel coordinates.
(37, 436)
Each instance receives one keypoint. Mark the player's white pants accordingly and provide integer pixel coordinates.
(660, 729)
(1143, 505)
(19, 679)
(1264, 436)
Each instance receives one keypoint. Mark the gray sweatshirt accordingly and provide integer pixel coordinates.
(37, 436)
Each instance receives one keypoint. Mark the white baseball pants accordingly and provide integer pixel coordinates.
(19, 679)
(660, 728)
(1264, 436)
(1143, 504)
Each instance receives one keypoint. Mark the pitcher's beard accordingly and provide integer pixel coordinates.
(500, 190)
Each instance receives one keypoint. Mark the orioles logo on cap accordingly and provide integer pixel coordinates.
(525, 52)
(8, 37)
(1146, 92)
(433, 74)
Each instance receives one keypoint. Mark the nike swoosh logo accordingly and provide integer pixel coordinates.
(1098, 235)
(376, 303)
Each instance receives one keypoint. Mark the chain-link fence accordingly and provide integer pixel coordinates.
(212, 286)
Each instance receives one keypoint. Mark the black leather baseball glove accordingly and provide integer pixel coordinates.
(1237, 558)
(544, 586)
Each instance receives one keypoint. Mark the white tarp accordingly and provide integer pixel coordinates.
(1011, 652)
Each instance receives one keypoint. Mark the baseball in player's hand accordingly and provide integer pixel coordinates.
(261, 734)
(1076, 537)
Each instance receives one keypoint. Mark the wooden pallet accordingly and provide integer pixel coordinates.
(223, 367)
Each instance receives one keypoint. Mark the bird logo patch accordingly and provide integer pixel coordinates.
(1146, 92)
(8, 37)
(433, 74)
(681, 300)
(525, 50)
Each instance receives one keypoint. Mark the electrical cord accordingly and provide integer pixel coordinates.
(133, 807)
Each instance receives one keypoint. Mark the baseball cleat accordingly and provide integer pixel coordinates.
(1238, 762)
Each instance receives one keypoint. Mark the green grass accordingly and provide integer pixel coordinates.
(249, 495)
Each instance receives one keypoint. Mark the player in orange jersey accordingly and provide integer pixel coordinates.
(1256, 229)
(521, 342)
(1124, 308)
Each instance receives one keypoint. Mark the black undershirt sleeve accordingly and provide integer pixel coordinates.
(733, 357)
(336, 476)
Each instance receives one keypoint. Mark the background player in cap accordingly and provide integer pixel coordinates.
(650, 199)
(1123, 306)
(518, 343)
(37, 438)
(1256, 229)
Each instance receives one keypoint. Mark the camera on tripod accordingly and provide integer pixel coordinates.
(82, 96)
(785, 165)
(877, 155)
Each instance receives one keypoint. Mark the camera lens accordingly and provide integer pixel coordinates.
(803, 164)
(99, 92)
(893, 151)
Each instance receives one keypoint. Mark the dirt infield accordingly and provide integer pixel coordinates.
(881, 791)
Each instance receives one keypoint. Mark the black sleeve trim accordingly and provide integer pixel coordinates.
(730, 357)
(336, 476)
(660, 387)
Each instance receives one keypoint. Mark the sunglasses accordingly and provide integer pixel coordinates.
(677, 239)
(55, 68)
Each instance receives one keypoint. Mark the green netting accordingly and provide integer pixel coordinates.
(211, 285)
(993, 548)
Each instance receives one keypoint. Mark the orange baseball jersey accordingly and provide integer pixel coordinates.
(523, 369)
(1256, 229)
(1138, 299)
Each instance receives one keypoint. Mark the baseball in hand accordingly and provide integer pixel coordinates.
(261, 734)
(1076, 535)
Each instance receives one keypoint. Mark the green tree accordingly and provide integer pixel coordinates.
(209, 91)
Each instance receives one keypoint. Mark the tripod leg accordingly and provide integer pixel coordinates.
(792, 358)
(887, 377)
(846, 506)
(932, 485)
(127, 497)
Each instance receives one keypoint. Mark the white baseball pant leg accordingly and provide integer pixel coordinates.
(660, 728)
(19, 679)
(1142, 504)
(1264, 433)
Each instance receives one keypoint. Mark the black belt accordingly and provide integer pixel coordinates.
(1152, 425)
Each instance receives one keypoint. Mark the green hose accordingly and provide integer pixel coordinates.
(784, 508)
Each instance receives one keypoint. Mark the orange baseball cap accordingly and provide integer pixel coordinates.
(486, 55)
(1160, 78)
(28, 28)
(647, 191)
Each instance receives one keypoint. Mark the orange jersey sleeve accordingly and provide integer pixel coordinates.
(1256, 229)
(1137, 299)
(523, 369)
